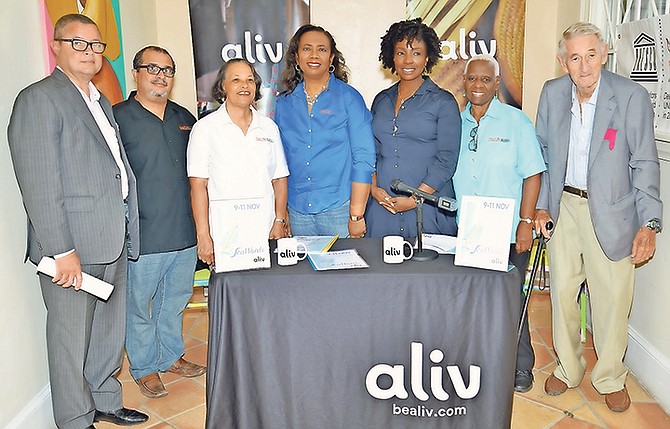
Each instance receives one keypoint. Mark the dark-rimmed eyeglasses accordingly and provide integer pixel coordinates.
(156, 69)
(473, 139)
(82, 45)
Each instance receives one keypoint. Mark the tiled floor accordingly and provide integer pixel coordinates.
(581, 408)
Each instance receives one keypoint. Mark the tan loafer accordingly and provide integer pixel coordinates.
(554, 387)
(618, 401)
(187, 369)
(152, 386)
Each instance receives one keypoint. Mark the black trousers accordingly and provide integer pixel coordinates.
(525, 356)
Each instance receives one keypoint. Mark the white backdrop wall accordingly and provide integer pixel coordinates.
(23, 369)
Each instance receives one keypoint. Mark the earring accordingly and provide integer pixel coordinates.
(425, 70)
(331, 69)
(297, 68)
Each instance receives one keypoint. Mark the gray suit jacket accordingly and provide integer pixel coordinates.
(70, 183)
(623, 175)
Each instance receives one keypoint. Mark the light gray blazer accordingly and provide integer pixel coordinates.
(70, 183)
(623, 177)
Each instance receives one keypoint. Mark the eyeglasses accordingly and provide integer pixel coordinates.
(82, 45)
(473, 139)
(155, 69)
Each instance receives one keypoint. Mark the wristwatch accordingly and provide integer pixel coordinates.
(526, 219)
(654, 225)
(355, 218)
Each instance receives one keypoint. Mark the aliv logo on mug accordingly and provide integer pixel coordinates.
(393, 249)
(288, 249)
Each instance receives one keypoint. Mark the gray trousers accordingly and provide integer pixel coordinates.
(85, 338)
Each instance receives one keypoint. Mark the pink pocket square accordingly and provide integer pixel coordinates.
(610, 135)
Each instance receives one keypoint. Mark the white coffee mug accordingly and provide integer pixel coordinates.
(288, 249)
(393, 249)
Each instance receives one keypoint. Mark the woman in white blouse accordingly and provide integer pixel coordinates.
(236, 152)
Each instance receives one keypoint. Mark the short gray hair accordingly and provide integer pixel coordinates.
(65, 20)
(487, 58)
(580, 29)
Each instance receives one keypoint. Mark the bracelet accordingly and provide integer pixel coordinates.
(526, 219)
(355, 218)
(280, 220)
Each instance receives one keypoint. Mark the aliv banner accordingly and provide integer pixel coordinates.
(257, 30)
(471, 27)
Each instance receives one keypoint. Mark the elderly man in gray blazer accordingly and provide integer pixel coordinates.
(602, 189)
(79, 195)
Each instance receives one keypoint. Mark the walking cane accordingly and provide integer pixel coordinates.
(541, 243)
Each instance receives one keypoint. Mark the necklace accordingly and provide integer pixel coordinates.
(311, 100)
(403, 99)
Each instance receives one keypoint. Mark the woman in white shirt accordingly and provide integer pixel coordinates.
(234, 153)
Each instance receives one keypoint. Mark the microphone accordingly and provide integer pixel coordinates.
(444, 203)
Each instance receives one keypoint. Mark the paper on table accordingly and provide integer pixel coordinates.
(316, 243)
(443, 244)
(90, 284)
(338, 260)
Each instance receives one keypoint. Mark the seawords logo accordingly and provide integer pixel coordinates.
(397, 374)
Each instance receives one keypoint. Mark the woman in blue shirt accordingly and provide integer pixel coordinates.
(327, 136)
(417, 129)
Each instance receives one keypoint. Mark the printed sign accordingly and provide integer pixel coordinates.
(238, 228)
(483, 232)
(643, 55)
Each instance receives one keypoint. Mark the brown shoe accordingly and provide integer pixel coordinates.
(554, 387)
(152, 386)
(187, 369)
(618, 401)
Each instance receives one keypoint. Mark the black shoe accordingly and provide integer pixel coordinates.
(122, 416)
(523, 380)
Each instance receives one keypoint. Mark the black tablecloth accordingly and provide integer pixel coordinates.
(290, 347)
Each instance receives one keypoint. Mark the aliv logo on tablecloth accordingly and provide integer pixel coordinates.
(396, 372)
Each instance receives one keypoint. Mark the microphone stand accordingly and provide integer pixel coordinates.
(421, 254)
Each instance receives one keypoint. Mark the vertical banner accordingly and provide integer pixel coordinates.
(643, 55)
(257, 30)
(471, 27)
(110, 80)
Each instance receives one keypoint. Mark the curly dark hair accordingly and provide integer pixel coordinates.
(410, 30)
(291, 77)
(217, 89)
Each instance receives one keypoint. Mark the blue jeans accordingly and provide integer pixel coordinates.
(331, 222)
(159, 287)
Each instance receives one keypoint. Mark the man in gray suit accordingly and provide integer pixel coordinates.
(602, 188)
(79, 195)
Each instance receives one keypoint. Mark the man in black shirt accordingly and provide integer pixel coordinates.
(155, 132)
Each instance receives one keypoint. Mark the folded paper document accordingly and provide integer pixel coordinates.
(317, 244)
(339, 260)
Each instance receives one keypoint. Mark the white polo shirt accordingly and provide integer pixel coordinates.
(237, 165)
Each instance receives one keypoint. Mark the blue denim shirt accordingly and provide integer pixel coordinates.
(327, 149)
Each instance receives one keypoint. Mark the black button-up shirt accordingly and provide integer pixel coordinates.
(157, 154)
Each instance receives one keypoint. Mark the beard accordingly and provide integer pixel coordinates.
(158, 94)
